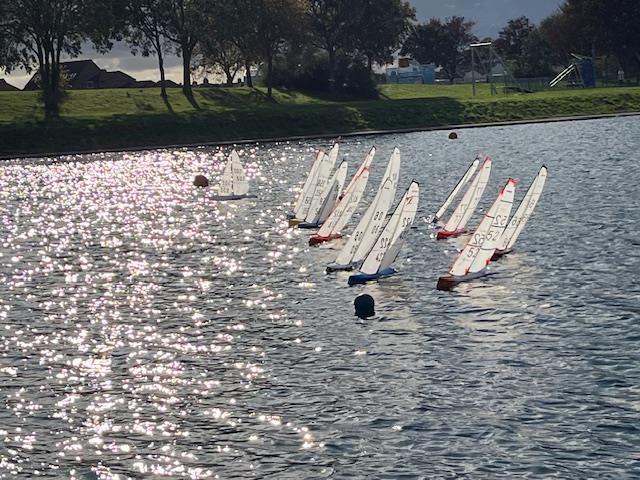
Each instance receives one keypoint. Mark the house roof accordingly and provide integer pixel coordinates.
(86, 74)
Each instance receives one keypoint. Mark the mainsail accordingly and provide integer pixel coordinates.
(457, 189)
(390, 240)
(469, 201)
(367, 230)
(524, 212)
(478, 251)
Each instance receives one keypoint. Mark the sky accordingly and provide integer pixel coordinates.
(490, 16)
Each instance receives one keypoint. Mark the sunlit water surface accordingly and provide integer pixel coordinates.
(147, 331)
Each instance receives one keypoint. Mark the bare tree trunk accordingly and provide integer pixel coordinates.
(270, 76)
(186, 71)
(332, 68)
(163, 88)
(249, 82)
(229, 74)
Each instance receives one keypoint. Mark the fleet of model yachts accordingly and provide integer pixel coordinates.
(324, 204)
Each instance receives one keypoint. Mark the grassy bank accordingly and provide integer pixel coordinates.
(108, 119)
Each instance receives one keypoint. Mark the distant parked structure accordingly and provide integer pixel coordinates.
(409, 71)
(7, 87)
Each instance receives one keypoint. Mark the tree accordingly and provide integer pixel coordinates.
(392, 20)
(276, 21)
(332, 31)
(444, 43)
(185, 19)
(234, 22)
(40, 31)
(522, 45)
(146, 23)
(603, 26)
(217, 53)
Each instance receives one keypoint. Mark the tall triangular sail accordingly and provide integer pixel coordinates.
(367, 230)
(328, 198)
(457, 189)
(470, 200)
(322, 186)
(349, 202)
(234, 181)
(390, 240)
(306, 194)
(478, 251)
(524, 212)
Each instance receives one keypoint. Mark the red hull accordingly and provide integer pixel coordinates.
(443, 234)
(446, 283)
(317, 239)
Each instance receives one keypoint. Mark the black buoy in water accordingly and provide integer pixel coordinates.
(365, 306)
(200, 181)
(453, 136)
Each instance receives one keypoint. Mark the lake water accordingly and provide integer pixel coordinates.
(147, 331)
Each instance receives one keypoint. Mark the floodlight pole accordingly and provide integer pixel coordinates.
(473, 71)
(473, 65)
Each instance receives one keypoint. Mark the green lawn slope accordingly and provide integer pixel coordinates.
(130, 118)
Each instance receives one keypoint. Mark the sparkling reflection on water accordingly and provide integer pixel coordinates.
(148, 331)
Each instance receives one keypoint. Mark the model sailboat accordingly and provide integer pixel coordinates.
(457, 189)
(473, 260)
(332, 228)
(323, 204)
(377, 263)
(233, 184)
(461, 215)
(370, 225)
(522, 215)
(314, 184)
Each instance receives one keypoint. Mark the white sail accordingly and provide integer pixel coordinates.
(524, 211)
(457, 189)
(234, 180)
(322, 185)
(329, 197)
(304, 199)
(470, 200)
(365, 234)
(478, 251)
(389, 242)
(350, 200)
(226, 182)
(365, 165)
(240, 183)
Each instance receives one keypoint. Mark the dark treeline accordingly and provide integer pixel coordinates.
(329, 45)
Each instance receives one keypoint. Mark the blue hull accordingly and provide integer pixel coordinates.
(310, 226)
(223, 198)
(362, 278)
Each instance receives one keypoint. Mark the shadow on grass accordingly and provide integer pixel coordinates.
(167, 103)
(264, 121)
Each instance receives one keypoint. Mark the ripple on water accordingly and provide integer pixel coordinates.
(146, 330)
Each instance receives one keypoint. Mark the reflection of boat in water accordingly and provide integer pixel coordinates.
(234, 184)
(368, 229)
(377, 263)
(332, 228)
(522, 215)
(474, 258)
(314, 184)
(457, 189)
(456, 224)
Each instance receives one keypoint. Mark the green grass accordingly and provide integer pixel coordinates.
(122, 118)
